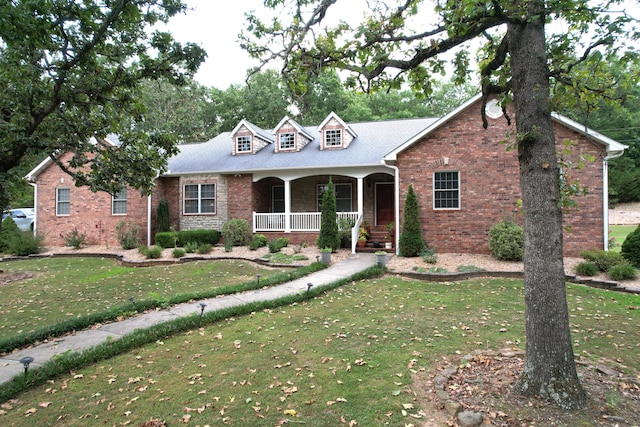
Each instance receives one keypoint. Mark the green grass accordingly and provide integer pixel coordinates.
(617, 234)
(68, 288)
(349, 354)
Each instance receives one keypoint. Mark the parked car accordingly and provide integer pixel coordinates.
(23, 217)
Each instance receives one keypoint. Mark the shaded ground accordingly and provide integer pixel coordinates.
(484, 383)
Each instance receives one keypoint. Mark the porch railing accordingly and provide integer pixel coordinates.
(299, 221)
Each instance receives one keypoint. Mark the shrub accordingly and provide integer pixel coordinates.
(631, 247)
(328, 236)
(153, 252)
(429, 256)
(277, 244)
(411, 243)
(344, 231)
(127, 234)
(586, 268)
(163, 217)
(236, 232)
(624, 271)
(178, 253)
(166, 239)
(258, 241)
(170, 239)
(204, 248)
(506, 241)
(75, 239)
(25, 244)
(191, 247)
(8, 233)
(602, 259)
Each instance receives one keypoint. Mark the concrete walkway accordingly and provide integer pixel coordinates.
(10, 365)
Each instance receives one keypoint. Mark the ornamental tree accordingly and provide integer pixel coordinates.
(406, 42)
(69, 71)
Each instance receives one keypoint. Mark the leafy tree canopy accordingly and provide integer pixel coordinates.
(69, 71)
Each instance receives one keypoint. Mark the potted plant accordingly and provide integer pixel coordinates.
(391, 232)
(381, 258)
(363, 235)
(325, 255)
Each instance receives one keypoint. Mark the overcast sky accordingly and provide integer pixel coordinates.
(215, 25)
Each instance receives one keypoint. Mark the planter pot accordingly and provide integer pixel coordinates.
(381, 260)
(325, 257)
(361, 243)
(388, 245)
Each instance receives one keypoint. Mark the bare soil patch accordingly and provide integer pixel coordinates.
(483, 383)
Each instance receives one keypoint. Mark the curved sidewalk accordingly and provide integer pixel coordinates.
(10, 365)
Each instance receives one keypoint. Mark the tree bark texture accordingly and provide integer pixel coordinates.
(549, 370)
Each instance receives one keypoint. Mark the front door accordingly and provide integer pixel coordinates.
(384, 203)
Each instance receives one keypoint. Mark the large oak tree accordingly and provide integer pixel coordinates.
(405, 42)
(69, 71)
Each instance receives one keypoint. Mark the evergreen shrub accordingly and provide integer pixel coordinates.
(411, 243)
(236, 232)
(506, 241)
(631, 247)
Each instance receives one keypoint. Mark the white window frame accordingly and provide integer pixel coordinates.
(288, 138)
(333, 138)
(244, 142)
(455, 190)
(119, 200)
(60, 202)
(320, 192)
(199, 199)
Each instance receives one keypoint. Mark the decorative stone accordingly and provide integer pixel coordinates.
(442, 395)
(452, 407)
(470, 419)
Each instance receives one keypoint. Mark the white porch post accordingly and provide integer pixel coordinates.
(361, 196)
(287, 206)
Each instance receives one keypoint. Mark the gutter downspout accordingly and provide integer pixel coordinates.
(149, 220)
(35, 207)
(605, 195)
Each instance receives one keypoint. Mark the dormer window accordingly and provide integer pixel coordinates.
(287, 141)
(333, 138)
(243, 144)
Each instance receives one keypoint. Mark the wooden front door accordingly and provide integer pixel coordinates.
(384, 203)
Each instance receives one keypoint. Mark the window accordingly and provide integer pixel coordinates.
(119, 203)
(287, 141)
(199, 198)
(278, 198)
(243, 144)
(343, 196)
(333, 138)
(446, 190)
(63, 201)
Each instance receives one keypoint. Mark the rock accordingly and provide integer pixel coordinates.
(452, 407)
(470, 419)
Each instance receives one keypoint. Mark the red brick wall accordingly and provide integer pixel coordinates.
(90, 212)
(240, 197)
(489, 185)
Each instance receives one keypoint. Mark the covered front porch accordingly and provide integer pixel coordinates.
(291, 203)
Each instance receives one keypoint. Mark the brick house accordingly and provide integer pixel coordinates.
(464, 176)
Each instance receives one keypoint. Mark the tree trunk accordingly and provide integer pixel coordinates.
(549, 370)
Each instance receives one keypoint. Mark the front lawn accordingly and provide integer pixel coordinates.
(347, 357)
(617, 234)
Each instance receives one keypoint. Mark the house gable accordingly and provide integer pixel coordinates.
(335, 134)
(290, 136)
(249, 139)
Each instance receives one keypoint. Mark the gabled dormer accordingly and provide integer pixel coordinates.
(335, 133)
(249, 138)
(290, 136)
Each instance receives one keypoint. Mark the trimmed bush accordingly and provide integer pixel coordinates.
(586, 268)
(236, 232)
(411, 243)
(624, 271)
(166, 239)
(277, 244)
(178, 253)
(153, 252)
(328, 237)
(631, 247)
(258, 241)
(506, 241)
(602, 259)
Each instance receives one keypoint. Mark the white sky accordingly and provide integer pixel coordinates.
(215, 24)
